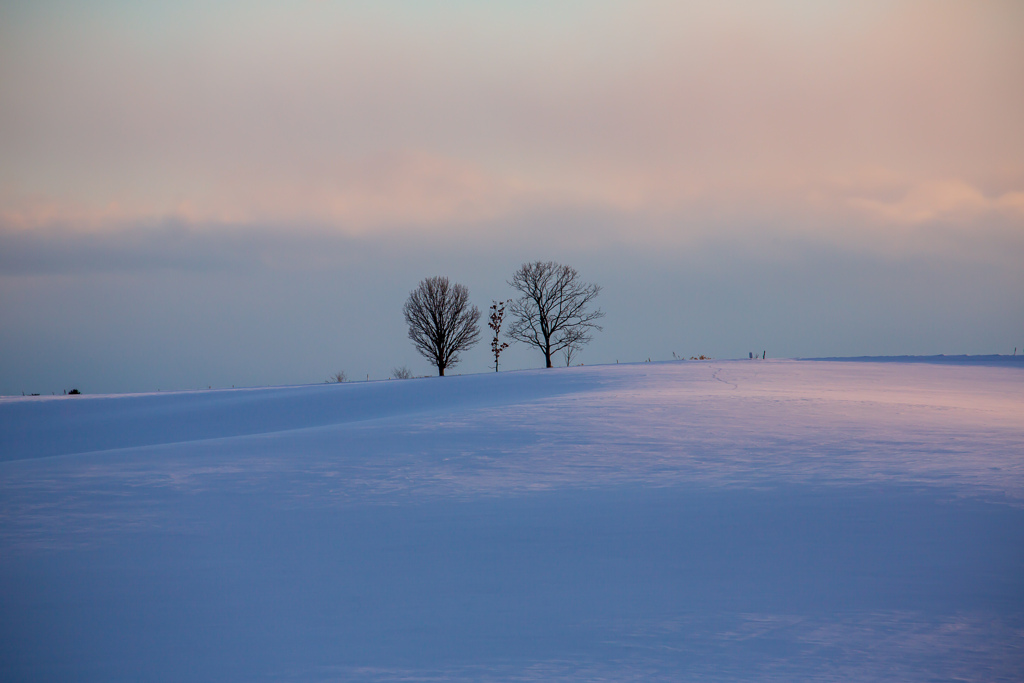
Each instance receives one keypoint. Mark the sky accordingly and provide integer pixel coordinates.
(244, 193)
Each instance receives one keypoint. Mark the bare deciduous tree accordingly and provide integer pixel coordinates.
(401, 373)
(571, 351)
(552, 312)
(442, 323)
(338, 377)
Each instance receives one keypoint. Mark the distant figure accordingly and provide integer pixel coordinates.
(751, 354)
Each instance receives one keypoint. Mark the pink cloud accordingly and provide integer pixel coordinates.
(369, 119)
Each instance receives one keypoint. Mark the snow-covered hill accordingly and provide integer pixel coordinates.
(737, 520)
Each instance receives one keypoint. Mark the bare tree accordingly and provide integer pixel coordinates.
(552, 312)
(442, 323)
(497, 315)
(401, 373)
(571, 351)
(338, 377)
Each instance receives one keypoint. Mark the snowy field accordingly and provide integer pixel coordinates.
(706, 521)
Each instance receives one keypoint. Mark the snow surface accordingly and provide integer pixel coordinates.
(713, 521)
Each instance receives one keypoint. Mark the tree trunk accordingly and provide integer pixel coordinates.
(440, 371)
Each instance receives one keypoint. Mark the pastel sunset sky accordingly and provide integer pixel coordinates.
(198, 194)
